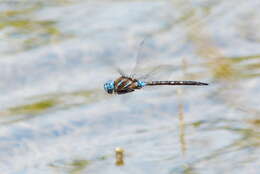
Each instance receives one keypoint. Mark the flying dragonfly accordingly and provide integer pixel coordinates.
(126, 84)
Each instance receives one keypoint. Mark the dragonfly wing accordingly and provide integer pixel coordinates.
(137, 59)
(145, 59)
(158, 72)
(121, 72)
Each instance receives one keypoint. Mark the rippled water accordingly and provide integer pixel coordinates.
(56, 56)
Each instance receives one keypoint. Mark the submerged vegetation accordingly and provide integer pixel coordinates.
(24, 31)
(56, 101)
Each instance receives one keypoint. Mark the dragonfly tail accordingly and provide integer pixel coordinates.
(154, 83)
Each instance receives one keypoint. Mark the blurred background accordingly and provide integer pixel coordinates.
(55, 56)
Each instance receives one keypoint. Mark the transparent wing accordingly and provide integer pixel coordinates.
(112, 58)
(138, 59)
(115, 62)
(159, 72)
(146, 66)
(121, 72)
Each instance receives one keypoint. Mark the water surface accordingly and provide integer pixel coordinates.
(56, 56)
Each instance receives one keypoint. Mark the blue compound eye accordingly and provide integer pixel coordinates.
(140, 83)
(109, 86)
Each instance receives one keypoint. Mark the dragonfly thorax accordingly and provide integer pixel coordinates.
(123, 85)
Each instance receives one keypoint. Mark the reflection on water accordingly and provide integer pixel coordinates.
(55, 116)
(119, 155)
(182, 129)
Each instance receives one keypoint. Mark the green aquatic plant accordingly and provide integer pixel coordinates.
(44, 103)
(78, 166)
(34, 107)
(25, 32)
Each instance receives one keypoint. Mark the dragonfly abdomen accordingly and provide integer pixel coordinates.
(154, 83)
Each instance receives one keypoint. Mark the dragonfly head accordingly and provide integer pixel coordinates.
(140, 83)
(109, 86)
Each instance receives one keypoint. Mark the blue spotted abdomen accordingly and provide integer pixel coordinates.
(154, 83)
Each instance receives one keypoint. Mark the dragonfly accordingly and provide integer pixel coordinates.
(126, 84)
